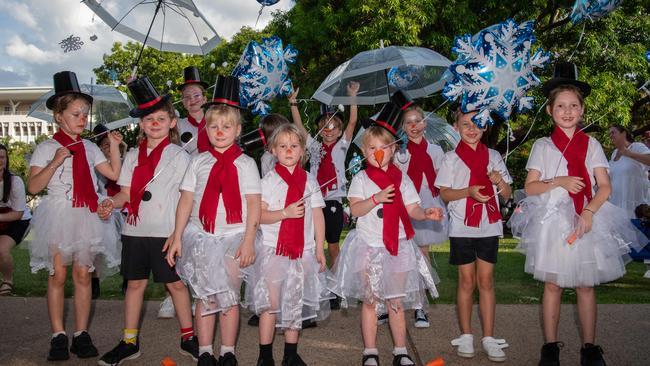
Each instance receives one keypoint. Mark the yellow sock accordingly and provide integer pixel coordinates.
(130, 336)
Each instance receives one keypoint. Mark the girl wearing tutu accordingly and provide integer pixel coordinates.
(379, 264)
(66, 229)
(572, 236)
(290, 282)
(149, 183)
(216, 223)
(470, 178)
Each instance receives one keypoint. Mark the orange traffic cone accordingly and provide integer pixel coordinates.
(437, 362)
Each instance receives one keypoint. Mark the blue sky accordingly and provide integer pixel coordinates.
(30, 32)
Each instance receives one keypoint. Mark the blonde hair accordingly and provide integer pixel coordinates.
(61, 104)
(412, 107)
(330, 118)
(289, 129)
(377, 132)
(174, 136)
(221, 110)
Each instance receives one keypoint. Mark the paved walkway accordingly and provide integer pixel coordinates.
(623, 332)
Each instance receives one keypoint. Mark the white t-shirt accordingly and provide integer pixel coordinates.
(403, 158)
(61, 184)
(157, 216)
(267, 162)
(17, 200)
(274, 194)
(196, 179)
(370, 226)
(454, 174)
(184, 126)
(339, 151)
(629, 179)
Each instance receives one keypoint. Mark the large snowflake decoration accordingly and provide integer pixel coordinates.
(494, 70)
(71, 43)
(592, 9)
(263, 72)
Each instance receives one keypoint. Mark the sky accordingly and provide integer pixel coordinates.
(30, 32)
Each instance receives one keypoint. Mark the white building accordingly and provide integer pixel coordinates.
(14, 105)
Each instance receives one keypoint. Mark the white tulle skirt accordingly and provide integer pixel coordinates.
(75, 233)
(429, 232)
(207, 265)
(597, 257)
(293, 290)
(373, 276)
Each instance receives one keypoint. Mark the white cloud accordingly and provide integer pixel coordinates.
(20, 12)
(17, 48)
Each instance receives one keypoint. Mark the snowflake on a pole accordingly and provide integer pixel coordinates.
(494, 70)
(592, 9)
(71, 43)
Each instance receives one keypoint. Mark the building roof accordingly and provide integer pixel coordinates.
(23, 92)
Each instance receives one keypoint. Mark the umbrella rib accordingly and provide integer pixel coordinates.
(191, 26)
(162, 33)
(129, 12)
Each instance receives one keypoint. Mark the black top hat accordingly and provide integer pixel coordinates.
(253, 140)
(65, 82)
(326, 111)
(402, 99)
(226, 91)
(565, 73)
(389, 118)
(146, 97)
(100, 129)
(191, 75)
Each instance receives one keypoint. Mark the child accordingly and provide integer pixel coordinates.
(379, 263)
(220, 196)
(66, 229)
(193, 126)
(149, 183)
(420, 161)
(289, 281)
(469, 180)
(572, 236)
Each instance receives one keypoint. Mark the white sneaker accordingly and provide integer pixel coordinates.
(465, 344)
(646, 274)
(421, 319)
(166, 310)
(494, 348)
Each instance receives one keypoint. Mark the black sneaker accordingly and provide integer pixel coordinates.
(591, 355)
(293, 360)
(367, 357)
(95, 288)
(254, 321)
(122, 352)
(228, 359)
(309, 323)
(190, 347)
(206, 359)
(397, 360)
(421, 319)
(335, 304)
(550, 355)
(83, 347)
(58, 348)
(265, 362)
(382, 319)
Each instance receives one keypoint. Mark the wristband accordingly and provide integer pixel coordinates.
(586, 209)
(373, 200)
(293, 104)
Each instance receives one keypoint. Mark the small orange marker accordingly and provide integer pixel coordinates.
(436, 362)
(379, 156)
(571, 238)
(167, 362)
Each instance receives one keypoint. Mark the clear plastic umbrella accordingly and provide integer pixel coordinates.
(381, 72)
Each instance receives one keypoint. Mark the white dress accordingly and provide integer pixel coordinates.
(629, 179)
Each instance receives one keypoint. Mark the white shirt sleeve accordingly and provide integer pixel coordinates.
(127, 168)
(500, 166)
(445, 175)
(17, 197)
(598, 158)
(535, 158)
(438, 156)
(94, 153)
(316, 198)
(409, 194)
(640, 148)
(189, 179)
(42, 155)
(356, 187)
(250, 182)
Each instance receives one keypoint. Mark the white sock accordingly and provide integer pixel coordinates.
(54, 335)
(402, 351)
(78, 333)
(204, 349)
(370, 351)
(226, 349)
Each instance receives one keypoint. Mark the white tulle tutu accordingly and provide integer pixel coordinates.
(373, 276)
(207, 265)
(597, 257)
(429, 232)
(294, 290)
(75, 233)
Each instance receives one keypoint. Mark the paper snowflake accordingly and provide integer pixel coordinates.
(592, 9)
(71, 43)
(494, 70)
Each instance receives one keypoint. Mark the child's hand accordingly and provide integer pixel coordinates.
(320, 258)
(474, 192)
(586, 221)
(173, 247)
(386, 195)
(295, 210)
(60, 155)
(115, 138)
(245, 254)
(293, 97)
(571, 184)
(105, 208)
(353, 88)
(433, 213)
(495, 177)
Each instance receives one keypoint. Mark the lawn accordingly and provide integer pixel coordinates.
(513, 286)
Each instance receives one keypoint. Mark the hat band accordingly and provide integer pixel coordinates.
(192, 81)
(262, 136)
(150, 103)
(225, 101)
(387, 126)
(408, 104)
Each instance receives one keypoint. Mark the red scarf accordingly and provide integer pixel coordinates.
(112, 188)
(142, 174)
(224, 181)
(326, 171)
(421, 164)
(477, 162)
(202, 142)
(84, 193)
(291, 239)
(395, 211)
(574, 151)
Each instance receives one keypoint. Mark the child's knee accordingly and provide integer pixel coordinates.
(585, 291)
(486, 283)
(177, 286)
(466, 283)
(136, 285)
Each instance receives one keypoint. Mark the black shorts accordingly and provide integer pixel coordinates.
(16, 230)
(333, 212)
(466, 250)
(142, 256)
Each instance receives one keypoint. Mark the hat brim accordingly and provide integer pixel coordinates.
(49, 103)
(555, 82)
(210, 104)
(202, 83)
(141, 112)
(369, 122)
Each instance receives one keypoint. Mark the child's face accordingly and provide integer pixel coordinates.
(469, 132)
(105, 147)
(413, 124)
(222, 132)
(193, 98)
(331, 132)
(74, 118)
(156, 125)
(370, 148)
(567, 110)
(287, 149)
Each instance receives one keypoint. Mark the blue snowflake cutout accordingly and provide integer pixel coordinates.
(404, 76)
(494, 71)
(263, 72)
(647, 56)
(592, 9)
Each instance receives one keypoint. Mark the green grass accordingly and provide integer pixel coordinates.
(513, 285)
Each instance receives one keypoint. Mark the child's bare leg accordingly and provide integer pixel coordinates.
(55, 290)
(133, 303)
(267, 327)
(333, 249)
(487, 301)
(82, 295)
(204, 326)
(369, 325)
(397, 322)
(551, 311)
(229, 326)
(291, 335)
(182, 304)
(587, 313)
(464, 296)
